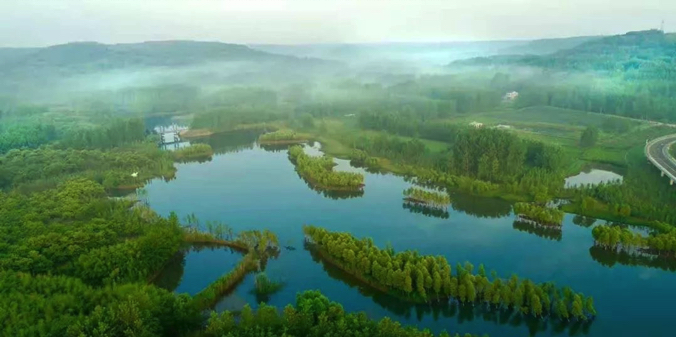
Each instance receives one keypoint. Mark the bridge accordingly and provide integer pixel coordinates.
(657, 152)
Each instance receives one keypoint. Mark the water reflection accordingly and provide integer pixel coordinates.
(193, 268)
(425, 210)
(547, 232)
(481, 207)
(583, 221)
(227, 142)
(466, 312)
(610, 258)
(275, 147)
(331, 194)
(171, 275)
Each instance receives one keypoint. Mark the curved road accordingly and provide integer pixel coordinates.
(657, 152)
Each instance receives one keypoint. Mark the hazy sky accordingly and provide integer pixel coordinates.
(47, 22)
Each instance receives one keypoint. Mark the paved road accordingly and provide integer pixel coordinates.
(657, 152)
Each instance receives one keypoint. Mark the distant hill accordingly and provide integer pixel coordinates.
(423, 55)
(54, 71)
(650, 51)
(548, 46)
(91, 56)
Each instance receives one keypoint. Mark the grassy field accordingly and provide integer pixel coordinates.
(563, 127)
(336, 133)
(545, 124)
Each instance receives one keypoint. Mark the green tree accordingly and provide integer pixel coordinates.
(589, 136)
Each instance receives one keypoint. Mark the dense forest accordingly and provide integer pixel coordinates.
(66, 266)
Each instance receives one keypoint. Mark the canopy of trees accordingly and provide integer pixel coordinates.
(431, 198)
(226, 119)
(319, 171)
(540, 214)
(589, 137)
(47, 166)
(313, 315)
(620, 238)
(194, 152)
(281, 137)
(429, 278)
(25, 136)
(109, 135)
(74, 230)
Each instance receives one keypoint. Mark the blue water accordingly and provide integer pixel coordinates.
(252, 188)
(194, 269)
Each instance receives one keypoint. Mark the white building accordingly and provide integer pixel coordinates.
(510, 96)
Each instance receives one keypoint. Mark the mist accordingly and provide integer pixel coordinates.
(44, 23)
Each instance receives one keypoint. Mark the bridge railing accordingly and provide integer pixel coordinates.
(665, 153)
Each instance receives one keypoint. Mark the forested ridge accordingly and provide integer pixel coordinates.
(639, 64)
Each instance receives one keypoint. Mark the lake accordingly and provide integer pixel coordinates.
(249, 187)
(593, 176)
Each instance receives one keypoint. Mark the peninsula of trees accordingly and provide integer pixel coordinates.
(429, 198)
(419, 278)
(194, 152)
(620, 238)
(319, 172)
(542, 215)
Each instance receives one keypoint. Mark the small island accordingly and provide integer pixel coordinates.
(282, 137)
(318, 171)
(194, 152)
(428, 198)
(540, 215)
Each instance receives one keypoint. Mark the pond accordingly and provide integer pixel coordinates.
(193, 269)
(249, 187)
(593, 176)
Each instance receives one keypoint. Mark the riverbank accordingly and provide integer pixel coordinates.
(283, 142)
(195, 133)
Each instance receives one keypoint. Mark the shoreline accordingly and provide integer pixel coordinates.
(283, 142)
(195, 133)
